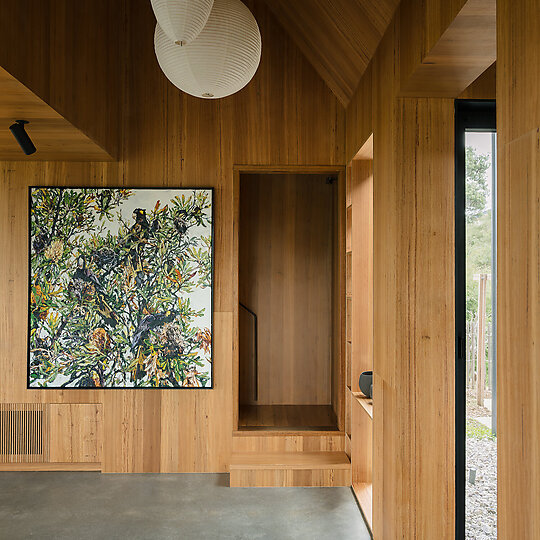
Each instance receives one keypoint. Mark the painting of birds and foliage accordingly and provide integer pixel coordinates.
(120, 288)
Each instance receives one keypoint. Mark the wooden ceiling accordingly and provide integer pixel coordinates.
(338, 37)
(55, 138)
(464, 51)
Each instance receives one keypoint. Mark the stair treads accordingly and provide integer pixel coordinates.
(290, 460)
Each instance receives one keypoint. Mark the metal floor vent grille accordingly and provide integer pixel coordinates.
(23, 433)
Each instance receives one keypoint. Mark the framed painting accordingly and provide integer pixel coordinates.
(120, 288)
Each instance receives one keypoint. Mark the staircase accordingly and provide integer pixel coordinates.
(289, 459)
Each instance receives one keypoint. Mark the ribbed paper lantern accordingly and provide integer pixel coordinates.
(223, 58)
(182, 20)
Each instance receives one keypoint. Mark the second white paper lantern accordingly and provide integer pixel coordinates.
(182, 20)
(221, 60)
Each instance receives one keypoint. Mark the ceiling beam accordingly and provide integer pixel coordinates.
(463, 52)
(55, 138)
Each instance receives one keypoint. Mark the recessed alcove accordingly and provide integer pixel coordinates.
(289, 266)
(359, 316)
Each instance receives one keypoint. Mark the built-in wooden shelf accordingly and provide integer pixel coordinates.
(348, 275)
(348, 229)
(359, 329)
(365, 402)
(363, 494)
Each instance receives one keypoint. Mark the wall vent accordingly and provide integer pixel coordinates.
(24, 433)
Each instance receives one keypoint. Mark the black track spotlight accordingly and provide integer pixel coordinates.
(22, 137)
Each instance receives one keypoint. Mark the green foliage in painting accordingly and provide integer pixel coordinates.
(119, 294)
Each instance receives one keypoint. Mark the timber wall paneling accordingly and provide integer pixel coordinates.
(413, 299)
(285, 117)
(413, 296)
(518, 261)
(37, 435)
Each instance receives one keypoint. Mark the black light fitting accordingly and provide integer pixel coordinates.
(24, 140)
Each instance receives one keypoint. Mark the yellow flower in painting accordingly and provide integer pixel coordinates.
(128, 281)
(100, 340)
(95, 378)
(55, 251)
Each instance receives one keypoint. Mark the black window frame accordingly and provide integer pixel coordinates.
(470, 116)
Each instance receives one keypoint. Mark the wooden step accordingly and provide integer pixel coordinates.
(290, 460)
(269, 442)
(280, 469)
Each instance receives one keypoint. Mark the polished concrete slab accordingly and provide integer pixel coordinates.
(87, 505)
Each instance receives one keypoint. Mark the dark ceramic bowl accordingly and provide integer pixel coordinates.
(366, 383)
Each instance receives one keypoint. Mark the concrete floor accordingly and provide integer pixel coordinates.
(80, 505)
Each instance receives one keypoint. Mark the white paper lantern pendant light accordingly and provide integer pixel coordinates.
(182, 20)
(221, 60)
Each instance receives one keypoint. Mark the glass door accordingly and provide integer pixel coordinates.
(476, 359)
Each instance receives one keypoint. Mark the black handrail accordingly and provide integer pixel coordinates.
(256, 355)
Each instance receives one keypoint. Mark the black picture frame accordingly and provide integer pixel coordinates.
(212, 305)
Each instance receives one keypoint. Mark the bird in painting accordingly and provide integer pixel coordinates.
(85, 274)
(150, 322)
(85, 280)
(140, 227)
(180, 223)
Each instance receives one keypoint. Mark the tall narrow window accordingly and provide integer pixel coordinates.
(476, 361)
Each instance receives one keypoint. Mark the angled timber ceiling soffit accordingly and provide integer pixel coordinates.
(338, 37)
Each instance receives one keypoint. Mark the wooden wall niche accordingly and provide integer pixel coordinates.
(287, 237)
(359, 339)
